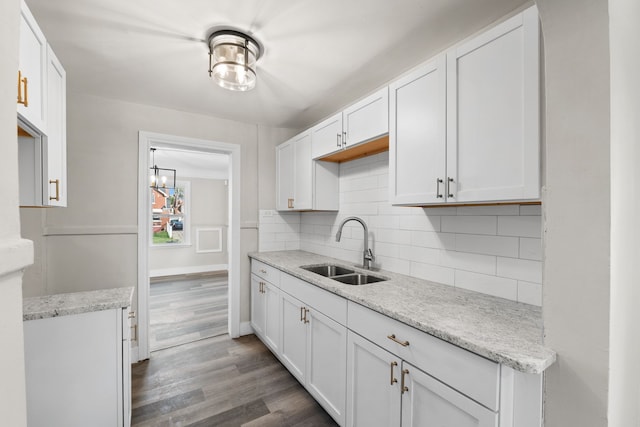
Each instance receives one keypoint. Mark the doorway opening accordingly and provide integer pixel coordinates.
(188, 241)
(188, 259)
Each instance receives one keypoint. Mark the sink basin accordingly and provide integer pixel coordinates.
(358, 279)
(327, 270)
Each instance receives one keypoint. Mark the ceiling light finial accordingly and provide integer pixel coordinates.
(232, 59)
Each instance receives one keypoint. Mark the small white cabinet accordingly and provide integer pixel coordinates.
(78, 370)
(303, 184)
(266, 304)
(465, 129)
(56, 141)
(364, 121)
(32, 71)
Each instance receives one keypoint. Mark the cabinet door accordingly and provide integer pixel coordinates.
(272, 301)
(417, 155)
(126, 367)
(426, 402)
(326, 137)
(327, 363)
(56, 146)
(32, 66)
(367, 119)
(373, 387)
(493, 137)
(303, 195)
(294, 337)
(257, 306)
(285, 175)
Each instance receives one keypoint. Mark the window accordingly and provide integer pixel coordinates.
(169, 212)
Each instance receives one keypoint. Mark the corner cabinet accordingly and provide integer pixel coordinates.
(303, 184)
(78, 370)
(364, 121)
(468, 121)
(42, 119)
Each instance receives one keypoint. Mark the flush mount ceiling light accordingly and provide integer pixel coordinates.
(232, 59)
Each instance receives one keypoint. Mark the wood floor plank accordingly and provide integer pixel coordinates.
(220, 382)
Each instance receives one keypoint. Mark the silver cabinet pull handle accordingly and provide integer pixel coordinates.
(344, 138)
(438, 182)
(393, 338)
(449, 181)
(338, 142)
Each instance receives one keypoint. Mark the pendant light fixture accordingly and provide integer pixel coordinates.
(159, 177)
(232, 59)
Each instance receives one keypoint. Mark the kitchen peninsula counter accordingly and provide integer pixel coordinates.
(65, 304)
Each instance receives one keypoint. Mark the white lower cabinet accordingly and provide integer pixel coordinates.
(373, 384)
(366, 369)
(426, 402)
(265, 309)
(78, 370)
(314, 349)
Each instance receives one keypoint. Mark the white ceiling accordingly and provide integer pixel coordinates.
(192, 164)
(320, 55)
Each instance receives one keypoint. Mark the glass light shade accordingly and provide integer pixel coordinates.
(233, 57)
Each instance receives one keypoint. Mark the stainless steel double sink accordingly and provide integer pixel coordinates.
(342, 274)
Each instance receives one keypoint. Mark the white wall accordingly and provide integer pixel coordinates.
(624, 376)
(92, 243)
(208, 208)
(15, 253)
(491, 249)
(577, 206)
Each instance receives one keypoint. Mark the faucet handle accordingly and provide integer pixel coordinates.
(369, 255)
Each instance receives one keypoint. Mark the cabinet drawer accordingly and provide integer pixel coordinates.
(265, 272)
(325, 302)
(466, 372)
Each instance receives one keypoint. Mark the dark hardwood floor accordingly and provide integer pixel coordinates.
(187, 308)
(220, 382)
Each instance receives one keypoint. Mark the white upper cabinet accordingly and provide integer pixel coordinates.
(303, 184)
(56, 177)
(493, 132)
(364, 121)
(42, 119)
(466, 129)
(417, 139)
(327, 136)
(32, 68)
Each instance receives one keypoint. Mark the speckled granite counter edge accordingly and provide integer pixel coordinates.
(534, 362)
(47, 306)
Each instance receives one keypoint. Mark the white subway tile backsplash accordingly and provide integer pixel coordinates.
(490, 249)
(520, 269)
(531, 249)
(470, 224)
(420, 223)
(485, 264)
(531, 210)
(530, 293)
(522, 226)
(492, 285)
(489, 210)
(431, 239)
(433, 273)
(490, 245)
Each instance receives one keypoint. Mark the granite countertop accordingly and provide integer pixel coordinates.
(501, 330)
(75, 303)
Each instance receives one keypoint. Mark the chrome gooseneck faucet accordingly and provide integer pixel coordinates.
(367, 255)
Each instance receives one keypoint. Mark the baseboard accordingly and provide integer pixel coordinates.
(245, 328)
(160, 272)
